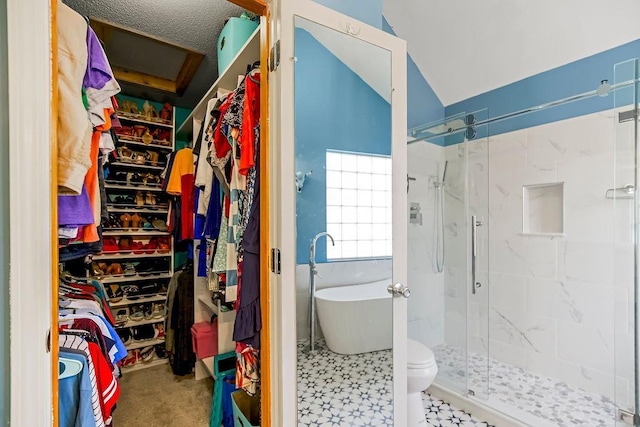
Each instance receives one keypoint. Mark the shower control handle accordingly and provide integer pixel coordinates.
(399, 290)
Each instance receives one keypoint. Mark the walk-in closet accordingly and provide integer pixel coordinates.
(157, 320)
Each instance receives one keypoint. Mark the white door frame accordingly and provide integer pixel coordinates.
(284, 199)
(29, 66)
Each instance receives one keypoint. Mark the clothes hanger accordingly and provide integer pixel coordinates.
(68, 367)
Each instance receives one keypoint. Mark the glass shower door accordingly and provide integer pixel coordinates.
(477, 142)
(451, 184)
(626, 213)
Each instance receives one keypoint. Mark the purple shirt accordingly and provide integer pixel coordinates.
(98, 70)
(75, 211)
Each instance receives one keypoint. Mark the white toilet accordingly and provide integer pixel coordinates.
(421, 371)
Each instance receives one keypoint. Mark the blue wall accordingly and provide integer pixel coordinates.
(423, 105)
(327, 119)
(369, 11)
(571, 79)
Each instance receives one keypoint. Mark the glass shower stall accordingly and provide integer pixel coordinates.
(529, 225)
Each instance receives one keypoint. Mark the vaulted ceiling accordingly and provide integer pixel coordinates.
(464, 48)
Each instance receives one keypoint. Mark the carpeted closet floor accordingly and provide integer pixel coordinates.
(154, 397)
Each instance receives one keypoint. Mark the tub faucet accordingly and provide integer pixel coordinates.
(313, 271)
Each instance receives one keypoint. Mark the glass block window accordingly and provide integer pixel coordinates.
(358, 205)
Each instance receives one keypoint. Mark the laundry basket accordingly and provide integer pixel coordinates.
(246, 409)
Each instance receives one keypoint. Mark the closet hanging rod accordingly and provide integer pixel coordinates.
(522, 112)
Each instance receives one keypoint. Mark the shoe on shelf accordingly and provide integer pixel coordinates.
(137, 247)
(136, 220)
(131, 291)
(164, 245)
(159, 330)
(125, 244)
(146, 137)
(153, 158)
(136, 313)
(125, 154)
(163, 288)
(128, 269)
(137, 179)
(161, 351)
(96, 271)
(160, 224)
(138, 130)
(158, 312)
(139, 158)
(147, 354)
(119, 177)
(139, 199)
(143, 332)
(151, 199)
(114, 292)
(145, 267)
(122, 317)
(133, 357)
(113, 222)
(166, 113)
(148, 313)
(148, 289)
(153, 114)
(115, 269)
(153, 180)
(125, 335)
(109, 245)
(125, 219)
(152, 246)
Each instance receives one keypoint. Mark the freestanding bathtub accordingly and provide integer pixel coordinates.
(356, 318)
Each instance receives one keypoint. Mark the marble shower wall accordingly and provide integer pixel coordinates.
(559, 305)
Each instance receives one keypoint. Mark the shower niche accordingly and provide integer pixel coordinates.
(543, 209)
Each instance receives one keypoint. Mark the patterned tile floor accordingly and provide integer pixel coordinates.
(542, 397)
(344, 391)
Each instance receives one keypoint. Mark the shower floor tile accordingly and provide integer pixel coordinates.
(356, 390)
(548, 399)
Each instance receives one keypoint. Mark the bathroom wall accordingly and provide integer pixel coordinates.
(327, 120)
(559, 306)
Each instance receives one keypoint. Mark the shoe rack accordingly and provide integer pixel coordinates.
(137, 261)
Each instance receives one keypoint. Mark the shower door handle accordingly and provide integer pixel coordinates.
(474, 252)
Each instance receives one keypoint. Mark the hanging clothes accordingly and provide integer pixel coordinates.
(86, 327)
(179, 320)
(248, 322)
(74, 126)
(75, 395)
(181, 183)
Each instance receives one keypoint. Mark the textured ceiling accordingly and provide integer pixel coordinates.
(464, 48)
(193, 24)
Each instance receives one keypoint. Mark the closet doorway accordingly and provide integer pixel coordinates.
(147, 273)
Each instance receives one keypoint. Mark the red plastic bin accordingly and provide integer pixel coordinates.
(204, 337)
